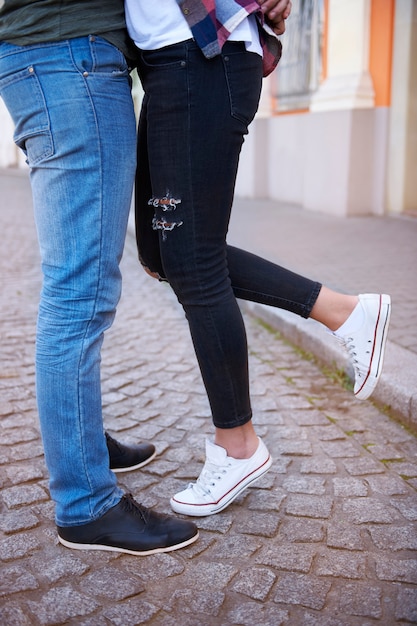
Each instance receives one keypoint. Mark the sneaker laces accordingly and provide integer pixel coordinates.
(210, 474)
(350, 346)
(131, 506)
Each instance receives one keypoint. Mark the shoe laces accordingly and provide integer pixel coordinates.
(208, 478)
(131, 506)
(350, 346)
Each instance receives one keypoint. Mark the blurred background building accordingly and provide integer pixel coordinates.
(337, 127)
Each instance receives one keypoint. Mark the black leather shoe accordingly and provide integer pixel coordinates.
(125, 458)
(130, 527)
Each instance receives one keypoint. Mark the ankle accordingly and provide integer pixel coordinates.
(239, 443)
(332, 308)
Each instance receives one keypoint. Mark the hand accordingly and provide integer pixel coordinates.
(276, 12)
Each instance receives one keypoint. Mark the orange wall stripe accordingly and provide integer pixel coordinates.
(381, 49)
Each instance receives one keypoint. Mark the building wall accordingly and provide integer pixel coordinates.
(353, 150)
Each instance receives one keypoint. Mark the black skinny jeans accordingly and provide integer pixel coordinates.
(194, 117)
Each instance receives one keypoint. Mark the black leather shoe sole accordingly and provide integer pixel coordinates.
(130, 468)
(130, 528)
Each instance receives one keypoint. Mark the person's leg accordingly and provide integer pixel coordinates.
(73, 112)
(194, 117)
(79, 136)
(193, 145)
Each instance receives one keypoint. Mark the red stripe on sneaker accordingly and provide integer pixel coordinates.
(227, 492)
(373, 347)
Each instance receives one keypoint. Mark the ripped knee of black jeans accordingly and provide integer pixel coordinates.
(164, 219)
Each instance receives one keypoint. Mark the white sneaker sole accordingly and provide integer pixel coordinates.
(201, 510)
(377, 358)
(94, 546)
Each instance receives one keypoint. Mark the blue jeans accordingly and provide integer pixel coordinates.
(73, 113)
(194, 118)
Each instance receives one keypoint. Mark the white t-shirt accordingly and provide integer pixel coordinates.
(153, 25)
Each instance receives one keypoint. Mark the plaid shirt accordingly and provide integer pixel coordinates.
(212, 21)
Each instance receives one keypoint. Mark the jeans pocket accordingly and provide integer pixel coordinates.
(24, 99)
(244, 82)
(167, 58)
(106, 58)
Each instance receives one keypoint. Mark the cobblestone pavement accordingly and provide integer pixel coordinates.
(328, 537)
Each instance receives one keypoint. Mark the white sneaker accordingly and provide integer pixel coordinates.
(367, 344)
(221, 480)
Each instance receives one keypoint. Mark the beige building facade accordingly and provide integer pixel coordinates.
(337, 129)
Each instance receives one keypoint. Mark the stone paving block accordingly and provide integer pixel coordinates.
(341, 534)
(260, 524)
(150, 568)
(310, 417)
(14, 497)
(321, 620)
(54, 568)
(394, 538)
(209, 575)
(339, 449)
(293, 402)
(406, 506)
(302, 530)
(254, 582)
(12, 615)
(340, 564)
(6, 408)
(402, 570)
(131, 613)
(264, 404)
(388, 485)
(14, 521)
(363, 599)
(412, 482)
(17, 420)
(25, 451)
(111, 583)
(362, 466)
(197, 602)
(250, 613)
(328, 433)
(406, 605)
(242, 546)
(346, 487)
(318, 466)
(60, 605)
(406, 470)
(16, 579)
(13, 436)
(369, 510)
(18, 546)
(303, 590)
(263, 500)
(24, 473)
(293, 558)
(280, 465)
(300, 484)
(295, 448)
(309, 506)
(385, 452)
